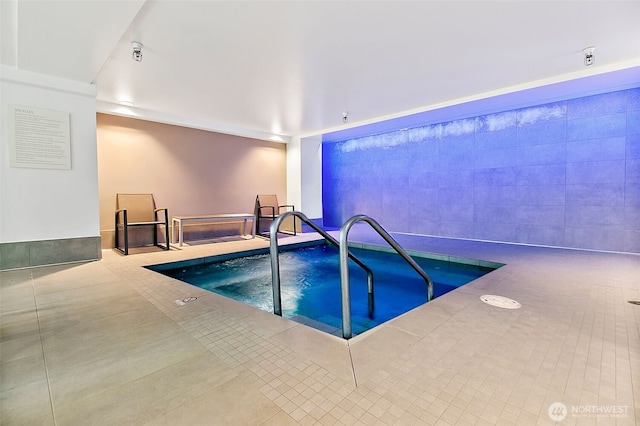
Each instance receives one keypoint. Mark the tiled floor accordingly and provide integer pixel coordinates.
(104, 343)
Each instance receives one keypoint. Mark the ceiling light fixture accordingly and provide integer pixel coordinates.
(589, 58)
(136, 55)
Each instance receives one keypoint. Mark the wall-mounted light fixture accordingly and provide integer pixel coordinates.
(136, 55)
(589, 57)
(345, 117)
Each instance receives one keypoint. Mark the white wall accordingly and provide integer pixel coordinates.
(294, 188)
(304, 175)
(311, 176)
(44, 204)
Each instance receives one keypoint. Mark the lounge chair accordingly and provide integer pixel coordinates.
(139, 210)
(267, 209)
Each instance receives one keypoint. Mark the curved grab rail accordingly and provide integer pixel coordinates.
(344, 271)
(275, 261)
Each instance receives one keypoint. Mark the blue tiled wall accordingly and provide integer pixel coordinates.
(562, 174)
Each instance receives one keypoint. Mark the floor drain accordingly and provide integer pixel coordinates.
(186, 300)
(500, 302)
(634, 302)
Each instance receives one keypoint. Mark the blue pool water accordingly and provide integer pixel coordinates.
(310, 284)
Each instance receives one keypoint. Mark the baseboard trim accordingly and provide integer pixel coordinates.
(29, 254)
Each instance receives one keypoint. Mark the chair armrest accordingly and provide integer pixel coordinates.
(286, 205)
(124, 216)
(273, 210)
(166, 214)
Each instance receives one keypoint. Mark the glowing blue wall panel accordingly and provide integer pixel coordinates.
(564, 174)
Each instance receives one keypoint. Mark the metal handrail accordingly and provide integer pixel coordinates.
(344, 271)
(275, 260)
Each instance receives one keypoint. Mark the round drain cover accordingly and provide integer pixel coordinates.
(500, 302)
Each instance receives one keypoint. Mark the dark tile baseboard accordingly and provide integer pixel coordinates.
(49, 252)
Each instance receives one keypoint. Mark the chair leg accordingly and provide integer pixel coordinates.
(155, 235)
(117, 245)
(166, 230)
(125, 231)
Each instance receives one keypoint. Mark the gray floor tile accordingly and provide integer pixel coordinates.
(106, 343)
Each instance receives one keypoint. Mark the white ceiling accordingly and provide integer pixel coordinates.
(293, 67)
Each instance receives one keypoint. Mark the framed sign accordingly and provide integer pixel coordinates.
(39, 138)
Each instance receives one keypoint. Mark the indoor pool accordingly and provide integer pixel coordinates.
(310, 283)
